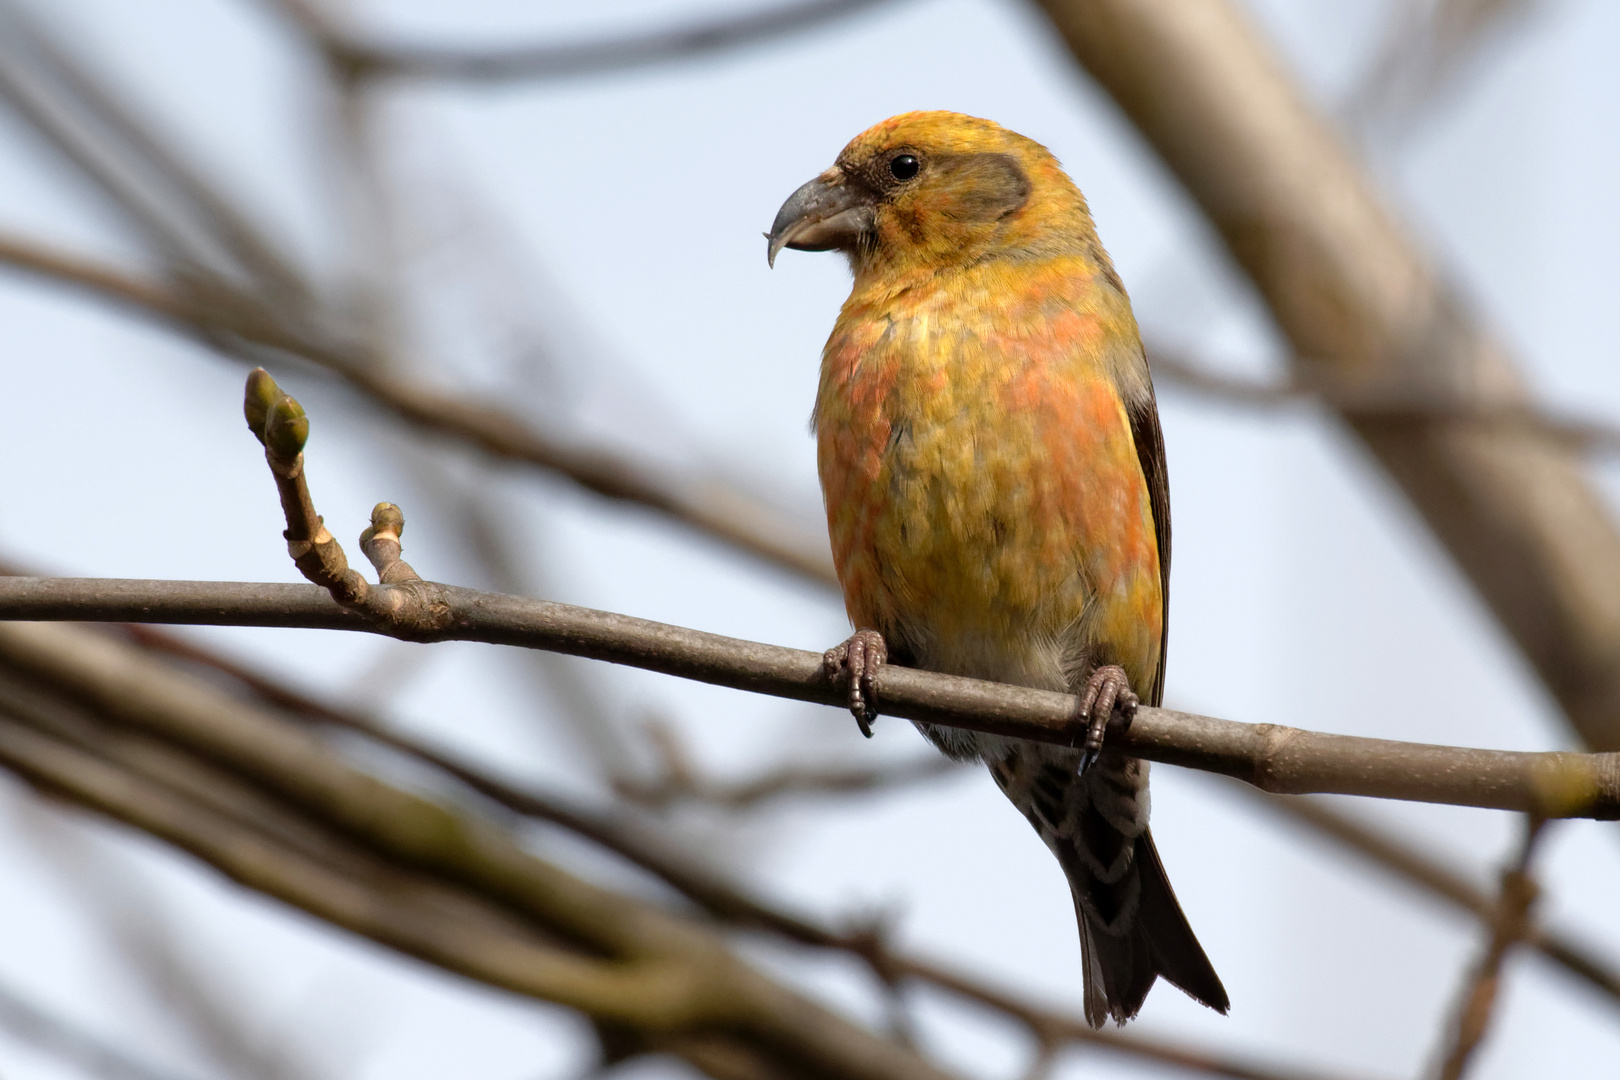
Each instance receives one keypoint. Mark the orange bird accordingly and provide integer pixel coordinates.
(994, 474)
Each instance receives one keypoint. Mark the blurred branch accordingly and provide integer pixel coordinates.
(389, 865)
(497, 541)
(684, 41)
(1357, 297)
(1577, 435)
(57, 1037)
(1423, 869)
(225, 284)
(240, 326)
(180, 213)
(782, 782)
(1510, 924)
(680, 779)
(258, 799)
(1431, 874)
(729, 901)
(209, 1009)
(1277, 759)
(1427, 46)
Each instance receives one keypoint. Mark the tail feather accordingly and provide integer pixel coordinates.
(1131, 932)
(1132, 929)
(1176, 951)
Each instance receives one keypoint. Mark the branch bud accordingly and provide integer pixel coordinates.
(286, 428)
(262, 393)
(387, 522)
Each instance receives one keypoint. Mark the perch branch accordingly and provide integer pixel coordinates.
(1279, 759)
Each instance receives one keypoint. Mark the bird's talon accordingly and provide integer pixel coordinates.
(1106, 690)
(858, 661)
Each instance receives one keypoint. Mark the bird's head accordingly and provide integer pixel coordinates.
(927, 190)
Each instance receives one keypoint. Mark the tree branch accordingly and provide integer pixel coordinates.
(1431, 874)
(727, 901)
(224, 795)
(1277, 759)
(57, 1037)
(679, 780)
(224, 319)
(1571, 433)
(434, 883)
(1357, 297)
(1510, 924)
(686, 41)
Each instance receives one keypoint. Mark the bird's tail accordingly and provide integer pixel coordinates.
(1131, 932)
(1131, 929)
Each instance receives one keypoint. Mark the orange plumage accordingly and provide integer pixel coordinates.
(990, 457)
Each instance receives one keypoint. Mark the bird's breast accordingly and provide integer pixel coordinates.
(984, 499)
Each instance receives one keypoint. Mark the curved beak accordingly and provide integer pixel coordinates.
(823, 215)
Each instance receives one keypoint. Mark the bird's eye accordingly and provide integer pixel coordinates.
(903, 167)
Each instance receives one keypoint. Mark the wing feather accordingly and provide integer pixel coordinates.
(1149, 438)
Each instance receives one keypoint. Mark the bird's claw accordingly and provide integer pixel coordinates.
(1107, 689)
(857, 661)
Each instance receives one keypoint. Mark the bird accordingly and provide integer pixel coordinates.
(993, 470)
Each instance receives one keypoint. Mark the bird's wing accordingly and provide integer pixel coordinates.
(1149, 438)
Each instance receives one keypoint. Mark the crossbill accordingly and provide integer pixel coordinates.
(994, 476)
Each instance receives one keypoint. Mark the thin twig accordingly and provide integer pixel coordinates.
(1510, 925)
(31, 1023)
(1581, 435)
(113, 145)
(685, 41)
(1278, 759)
(240, 326)
(1430, 872)
(783, 782)
(1427, 45)
(681, 781)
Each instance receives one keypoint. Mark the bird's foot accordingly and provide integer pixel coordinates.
(856, 664)
(1106, 690)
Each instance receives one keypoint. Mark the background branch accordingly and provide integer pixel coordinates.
(1510, 924)
(1358, 297)
(246, 799)
(1429, 872)
(1571, 433)
(243, 328)
(25, 1020)
(683, 41)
